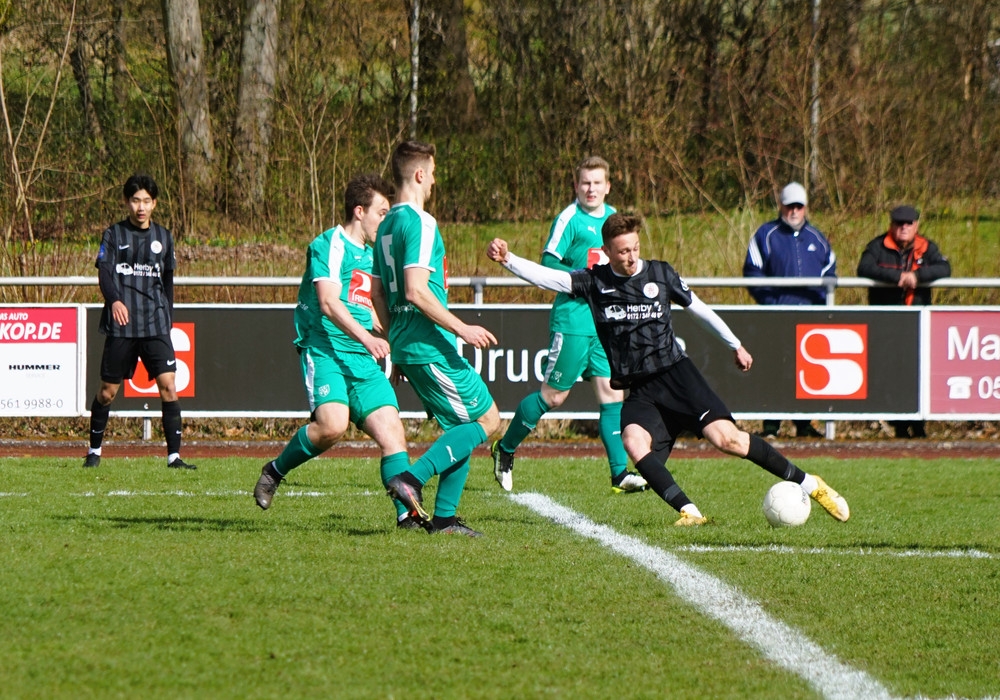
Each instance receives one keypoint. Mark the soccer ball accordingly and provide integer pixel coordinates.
(786, 505)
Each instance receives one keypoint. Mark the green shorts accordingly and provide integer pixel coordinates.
(352, 379)
(450, 390)
(572, 357)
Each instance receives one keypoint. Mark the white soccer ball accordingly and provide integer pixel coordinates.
(786, 505)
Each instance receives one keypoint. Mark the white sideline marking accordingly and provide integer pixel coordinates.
(782, 644)
(146, 494)
(860, 551)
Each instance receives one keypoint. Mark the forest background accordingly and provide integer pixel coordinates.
(253, 114)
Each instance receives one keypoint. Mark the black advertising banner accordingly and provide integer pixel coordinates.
(822, 361)
(814, 360)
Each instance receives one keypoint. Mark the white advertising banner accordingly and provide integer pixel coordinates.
(38, 361)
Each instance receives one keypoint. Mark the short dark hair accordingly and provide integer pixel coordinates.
(407, 157)
(620, 223)
(361, 191)
(140, 181)
(593, 163)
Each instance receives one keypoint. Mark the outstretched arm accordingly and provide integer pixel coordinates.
(710, 320)
(538, 275)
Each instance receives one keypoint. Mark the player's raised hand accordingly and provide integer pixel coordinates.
(497, 250)
(743, 358)
(477, 337)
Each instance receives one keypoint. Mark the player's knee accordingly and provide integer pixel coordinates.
(107, 393)
(553, 398)
(490, 421)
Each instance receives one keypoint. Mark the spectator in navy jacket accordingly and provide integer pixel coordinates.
(790, 246)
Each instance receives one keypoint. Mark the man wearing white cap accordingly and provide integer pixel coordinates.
(790, 246)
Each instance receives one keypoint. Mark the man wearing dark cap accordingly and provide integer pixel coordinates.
(908, 261)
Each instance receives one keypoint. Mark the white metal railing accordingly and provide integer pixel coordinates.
(479, 284)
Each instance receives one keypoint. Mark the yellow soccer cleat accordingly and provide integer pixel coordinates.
(832, 502)
(688, 520)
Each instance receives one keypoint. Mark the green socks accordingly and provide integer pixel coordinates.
(299, 450)
(526, 417)
(610, 428)
(448, 450)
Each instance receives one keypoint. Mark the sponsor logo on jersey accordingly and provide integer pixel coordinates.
(359, 291)
(138, 270)
(615, 312)
(831, 361)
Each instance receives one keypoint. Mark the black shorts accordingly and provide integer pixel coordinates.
(671, 402)
(121, 355)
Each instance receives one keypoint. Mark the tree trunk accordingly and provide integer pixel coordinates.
(80, 62)
(185, 51)
(255, 105)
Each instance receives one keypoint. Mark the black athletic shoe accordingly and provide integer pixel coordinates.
(503, 465)
(458, 527)
(267, 484)
(92, 460)
(179, 463)
(409, 523)
(411, 497)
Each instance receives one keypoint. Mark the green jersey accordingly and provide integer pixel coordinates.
(334, 257)
(409, 237)
(575, 240)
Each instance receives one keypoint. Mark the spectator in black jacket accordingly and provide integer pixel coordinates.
(904, 258)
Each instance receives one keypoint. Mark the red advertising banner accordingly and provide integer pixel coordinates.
(38, 361)
(965, 362)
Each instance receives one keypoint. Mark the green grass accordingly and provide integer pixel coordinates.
(136, 581)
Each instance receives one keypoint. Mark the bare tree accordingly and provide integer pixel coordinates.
(80, 61)
(255, 105)
(185, 53)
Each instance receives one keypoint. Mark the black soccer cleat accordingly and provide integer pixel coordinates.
(267, 484)
(92, 460)
(456, 527)
(179, 463)
(409, 523)
(411, 497)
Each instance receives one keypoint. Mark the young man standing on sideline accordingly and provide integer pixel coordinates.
(574, 351)
(338, 348)
(135, 269)
(410, 295)
(629, 299)
(790, 246)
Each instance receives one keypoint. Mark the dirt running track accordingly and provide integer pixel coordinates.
(687, 449)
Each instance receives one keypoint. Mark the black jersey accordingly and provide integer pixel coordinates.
(132, 263)
(632, 315)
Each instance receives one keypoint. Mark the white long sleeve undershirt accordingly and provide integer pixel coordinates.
(560, 281)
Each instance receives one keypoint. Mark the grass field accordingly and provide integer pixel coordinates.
(133, 580)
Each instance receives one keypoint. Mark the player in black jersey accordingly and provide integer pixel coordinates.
(630, 300)
(136, 273)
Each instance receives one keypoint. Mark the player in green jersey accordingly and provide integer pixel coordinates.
(339, 344)
(574, 351)
(410, 294)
